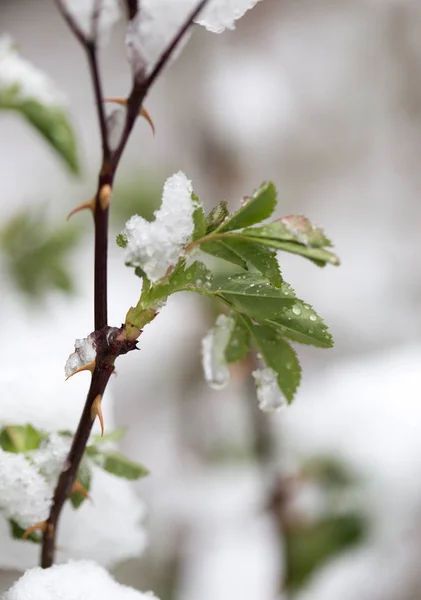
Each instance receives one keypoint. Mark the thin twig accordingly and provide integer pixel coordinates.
(76, 30)
(141, 88)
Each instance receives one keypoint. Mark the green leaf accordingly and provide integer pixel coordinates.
(217, 216)
(311, 245)
(252, 294)
(222, 250)
(253, 285)
(17, 532)
(302, 324)
(121, 240)
(196, 278)
(52, 122)
(84, 476)
(279, 356)
(254, 210)
(20, 438)
(239, 342)
(199, 219)
(249, 252)
(117, 464)
(309, 546)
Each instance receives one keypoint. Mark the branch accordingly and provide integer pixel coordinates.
(99, 382)
(76, 30)
(96, 80)
(110, 343)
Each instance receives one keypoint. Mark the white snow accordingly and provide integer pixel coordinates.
(268, 393)
(213, 353)
(75, 580)
(83, 12)
(50, 456)
(154, 27)
(116, 121)
(40, 396)
(150, 32)
(84, 354)
(25, 495)
(156, 246)
(31, 84)
(220, 15)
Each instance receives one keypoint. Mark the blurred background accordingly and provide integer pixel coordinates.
(323, 500)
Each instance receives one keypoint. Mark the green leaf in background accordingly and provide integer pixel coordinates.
(308, 547)
(217, 216)
(17, 533)
(20, 438)
(84, 476)
(278, 236)
(254, 209)
(328, 471)
(239, 342)
(117, 464)
(300, 323)
(279, 356)
(36, 254)
(52, 122)
(199, 219)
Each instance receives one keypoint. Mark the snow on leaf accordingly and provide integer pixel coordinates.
(25, 496)
(72, 581)
(158, 22)
(268, 394)
(32, 83)
(95, 18)
(155, 246)
(84, 354)
(222, 14)
(214, 360)
(116, 120)
(49, 458)
(153, 29)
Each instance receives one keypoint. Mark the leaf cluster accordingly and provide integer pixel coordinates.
(266, 312)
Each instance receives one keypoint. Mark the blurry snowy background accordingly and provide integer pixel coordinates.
(324, 98)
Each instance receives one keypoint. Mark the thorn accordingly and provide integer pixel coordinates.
(90, 204)
(88, 367)
(77, 488)
(96, 411)
(41, 526)
(142, 112)
(105, 196)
